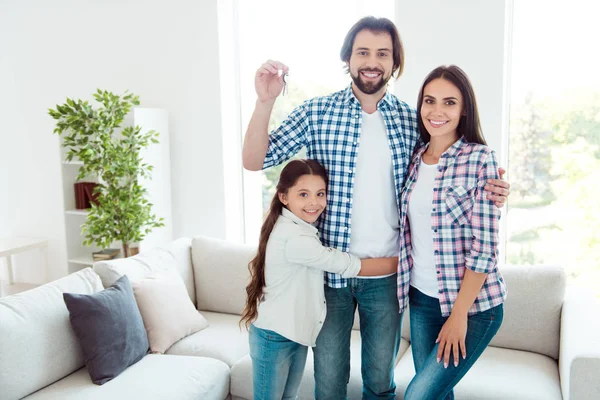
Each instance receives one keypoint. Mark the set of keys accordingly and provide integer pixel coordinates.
(284, 79)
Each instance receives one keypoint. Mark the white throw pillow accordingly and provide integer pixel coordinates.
(166, 309)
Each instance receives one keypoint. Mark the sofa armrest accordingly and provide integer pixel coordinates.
(579, 359)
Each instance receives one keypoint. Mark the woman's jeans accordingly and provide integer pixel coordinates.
(277, 365)
(432, 380)
(380, 320)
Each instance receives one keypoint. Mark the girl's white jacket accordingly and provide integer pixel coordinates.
(294, 297)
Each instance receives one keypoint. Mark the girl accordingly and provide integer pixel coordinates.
(285, 307)
(449, 239)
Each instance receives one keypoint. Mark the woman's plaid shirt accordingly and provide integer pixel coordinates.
(464, 222)
(329, 127)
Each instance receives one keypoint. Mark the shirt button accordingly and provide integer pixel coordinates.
(439, 272)
(357, 116)
(320, 322)
(434, 209)
(435, 230)
(355, 143)
(436, 252)
(347, 200)
(349, 170)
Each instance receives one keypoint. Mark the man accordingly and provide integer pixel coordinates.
(364, 136)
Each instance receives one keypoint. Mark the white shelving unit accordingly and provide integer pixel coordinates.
(159, 191)
(77, 212)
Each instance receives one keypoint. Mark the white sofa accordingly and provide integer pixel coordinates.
(547, 347)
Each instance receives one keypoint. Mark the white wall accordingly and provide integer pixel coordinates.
(165, 52)
(467, 33)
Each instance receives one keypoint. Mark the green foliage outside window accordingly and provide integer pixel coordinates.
(554, 170)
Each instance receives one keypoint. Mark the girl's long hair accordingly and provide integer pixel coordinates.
(288, 178)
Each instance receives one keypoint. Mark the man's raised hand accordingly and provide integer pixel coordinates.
(269, 80)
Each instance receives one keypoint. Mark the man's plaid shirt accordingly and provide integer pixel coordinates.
(329, 127)
(465, 226)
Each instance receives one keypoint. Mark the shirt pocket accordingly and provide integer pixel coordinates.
(459, 204)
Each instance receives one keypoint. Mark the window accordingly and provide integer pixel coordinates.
(554, 142)
(307, 36)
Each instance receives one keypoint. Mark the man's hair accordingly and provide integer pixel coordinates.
(376, 25)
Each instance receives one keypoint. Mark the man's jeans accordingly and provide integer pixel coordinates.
(432, 380)
(277, 365)
(380, 322)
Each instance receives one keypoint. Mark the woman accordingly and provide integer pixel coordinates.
(449, 242)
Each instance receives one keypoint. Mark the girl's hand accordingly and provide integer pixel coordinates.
(452, 338)
(378, 266)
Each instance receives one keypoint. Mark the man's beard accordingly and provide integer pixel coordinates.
(369, 87)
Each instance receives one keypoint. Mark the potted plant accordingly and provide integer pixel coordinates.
(111, 153)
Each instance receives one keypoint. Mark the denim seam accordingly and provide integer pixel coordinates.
(264, 367)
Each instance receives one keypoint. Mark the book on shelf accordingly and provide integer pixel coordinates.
(106, 254)
(79, 195)
(84, 195)
(91, 197)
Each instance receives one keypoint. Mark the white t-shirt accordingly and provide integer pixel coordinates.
(375, 217)
(423, 275)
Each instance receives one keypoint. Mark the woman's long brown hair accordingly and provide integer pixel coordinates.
(469, 126)
(288, 178)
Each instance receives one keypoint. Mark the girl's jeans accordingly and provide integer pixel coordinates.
(277, 365)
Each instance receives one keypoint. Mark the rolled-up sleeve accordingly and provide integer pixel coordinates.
(288, 139)
(485, 222)
(307, 250)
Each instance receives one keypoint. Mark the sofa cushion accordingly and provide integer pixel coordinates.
(176, 256)
(168, 313)
(532, 309)
(499, 374)
(221, 274)
(110, 329)
(154, 377)
(223, 340)
(37, 344)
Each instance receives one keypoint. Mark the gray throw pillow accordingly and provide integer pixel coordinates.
(110, 329)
